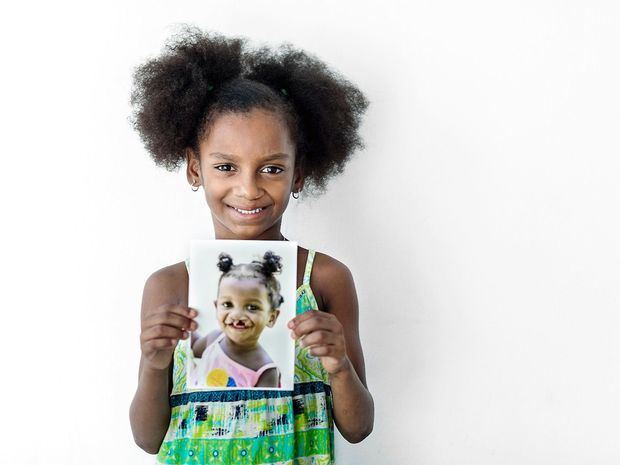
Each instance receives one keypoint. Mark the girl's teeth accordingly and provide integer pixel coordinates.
(248, 212)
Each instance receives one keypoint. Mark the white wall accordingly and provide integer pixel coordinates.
(481, 222)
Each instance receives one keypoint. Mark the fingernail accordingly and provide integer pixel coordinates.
(193, 312)
(291, 324)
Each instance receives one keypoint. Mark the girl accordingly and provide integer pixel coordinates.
(254, 127)
(248, 300)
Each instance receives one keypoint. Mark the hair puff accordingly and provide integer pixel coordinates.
(271, 263)
(225, 262)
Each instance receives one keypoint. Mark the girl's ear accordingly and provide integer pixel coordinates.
(193, 168)
(273, 317)
(298, 180)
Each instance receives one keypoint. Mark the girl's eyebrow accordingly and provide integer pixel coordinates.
(225, 156)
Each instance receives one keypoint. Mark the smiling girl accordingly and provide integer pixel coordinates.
(254, 128)
(248, 301)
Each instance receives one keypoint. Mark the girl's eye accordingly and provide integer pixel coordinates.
(224, 167)
(272, 168)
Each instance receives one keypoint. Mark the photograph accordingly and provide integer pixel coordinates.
(244, 292)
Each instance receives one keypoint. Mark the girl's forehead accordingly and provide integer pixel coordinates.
(245, 284)
(257, 133)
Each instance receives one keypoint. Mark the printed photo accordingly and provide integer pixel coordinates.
(244, 292)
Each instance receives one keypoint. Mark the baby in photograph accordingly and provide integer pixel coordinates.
(248, 301)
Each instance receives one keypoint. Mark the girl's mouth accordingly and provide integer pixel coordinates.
(253, 213)
(238, 325)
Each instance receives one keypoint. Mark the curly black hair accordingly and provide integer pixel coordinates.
(200, 75)
(263, 270)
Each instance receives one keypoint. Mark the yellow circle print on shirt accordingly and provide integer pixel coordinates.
(217, 377)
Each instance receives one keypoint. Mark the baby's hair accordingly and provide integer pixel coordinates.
(263, 270)
(200, 75)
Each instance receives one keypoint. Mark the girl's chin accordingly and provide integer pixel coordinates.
(246, 230)
(240, 336)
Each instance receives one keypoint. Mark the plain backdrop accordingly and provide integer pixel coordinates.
(480, 222)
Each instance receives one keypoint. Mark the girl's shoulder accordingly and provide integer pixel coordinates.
(329, 277)
(325, 264)
(200, 342)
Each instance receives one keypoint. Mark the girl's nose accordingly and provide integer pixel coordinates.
(248, 188)
(237, 314)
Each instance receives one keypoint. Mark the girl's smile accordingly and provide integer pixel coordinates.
(250, 212)
(240, 325)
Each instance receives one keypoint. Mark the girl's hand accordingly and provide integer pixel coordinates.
(161, 330)
(324, 335)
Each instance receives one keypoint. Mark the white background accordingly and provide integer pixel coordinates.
(480, 223)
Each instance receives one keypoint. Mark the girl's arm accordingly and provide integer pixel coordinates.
(149, 413)
(163, 323)
(333, 336)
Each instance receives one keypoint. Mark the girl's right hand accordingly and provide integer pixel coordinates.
(161, 330)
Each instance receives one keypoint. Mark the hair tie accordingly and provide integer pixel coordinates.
(284, 92)
(209, 87)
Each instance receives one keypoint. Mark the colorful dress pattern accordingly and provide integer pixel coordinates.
(254, 427)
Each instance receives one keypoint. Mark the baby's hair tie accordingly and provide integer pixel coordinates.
(284, 92)
(209, 87)
(225, 262)
(271, 263)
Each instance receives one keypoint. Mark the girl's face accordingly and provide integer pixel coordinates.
(243, 309)
(247, 170)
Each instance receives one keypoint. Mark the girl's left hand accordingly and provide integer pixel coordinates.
(324, 335)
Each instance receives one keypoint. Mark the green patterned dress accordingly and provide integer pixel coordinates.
(254, 427)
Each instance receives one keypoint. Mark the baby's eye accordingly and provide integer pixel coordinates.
(226, 304)
(224, 167)
(253, 308)
(272, 168)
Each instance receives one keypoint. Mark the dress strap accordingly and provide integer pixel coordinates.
(264, 368)
(187, 264)
(308, 270)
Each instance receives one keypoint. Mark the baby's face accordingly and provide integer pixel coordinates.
(243, 309)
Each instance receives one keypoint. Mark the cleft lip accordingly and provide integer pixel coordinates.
(238, 325)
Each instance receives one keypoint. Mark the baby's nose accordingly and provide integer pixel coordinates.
(238, 314)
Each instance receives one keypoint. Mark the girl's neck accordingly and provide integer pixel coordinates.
(271, 234)
(233, 348)
(266, 236)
